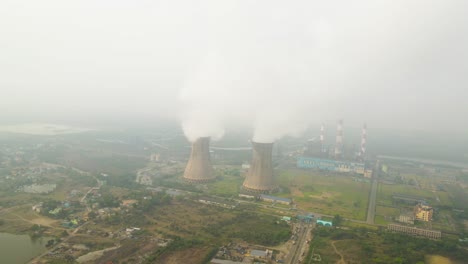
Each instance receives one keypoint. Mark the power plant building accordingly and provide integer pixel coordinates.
(330, 165)
(199, 168)
(260, 175)
(274, 199)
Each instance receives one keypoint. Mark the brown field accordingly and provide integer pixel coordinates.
(190, 255)
(21, 218)
(434, 259)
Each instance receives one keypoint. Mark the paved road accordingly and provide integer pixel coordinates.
(295, 253)
(373, 196)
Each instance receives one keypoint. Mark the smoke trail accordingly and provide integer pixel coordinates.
(298, 63)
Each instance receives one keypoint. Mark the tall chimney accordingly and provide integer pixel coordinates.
(199, 168)
(322, 138)
(260, 175)
(362, 151)
(339, 140)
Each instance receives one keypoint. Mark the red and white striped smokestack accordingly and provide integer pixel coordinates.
(339, 139)
(362, 152)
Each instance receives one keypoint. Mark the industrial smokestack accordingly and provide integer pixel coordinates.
(322, 138)
(199, 168)
(339, 140)
(362, 151)
(260, 175)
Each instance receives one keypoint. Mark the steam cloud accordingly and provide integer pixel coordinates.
(300, 65)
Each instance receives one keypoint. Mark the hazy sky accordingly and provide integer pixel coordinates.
(275, 65)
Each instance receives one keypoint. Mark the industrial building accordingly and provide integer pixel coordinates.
(433, 234)
(324, 223)
(337, 151)
(274, 199)
(199, 168)
(260, 175)
(423, 212)
(405, 219)
(330, 165)
(217, 202)
(306, 218)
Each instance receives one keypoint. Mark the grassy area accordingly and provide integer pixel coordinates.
(384, 214)
(187, 219)
(350, 224)
(327, 194)
(362, 245)
(228, 186)
(380, 220)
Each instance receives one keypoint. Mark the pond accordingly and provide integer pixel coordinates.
(20, 248)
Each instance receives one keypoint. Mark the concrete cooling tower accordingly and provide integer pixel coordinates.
(260, 175)
(199, 168)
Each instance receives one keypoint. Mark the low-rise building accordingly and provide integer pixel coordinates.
(406, 219)
(248, 196)
(217, 202)
(259, 253)
(433, 234)
(274, 199)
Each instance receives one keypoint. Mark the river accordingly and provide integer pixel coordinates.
(20, 248)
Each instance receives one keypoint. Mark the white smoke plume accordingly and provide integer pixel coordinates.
(301, 63)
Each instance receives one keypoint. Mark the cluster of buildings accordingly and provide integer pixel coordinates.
(323, 157)
(334, 166)
(319, 148)
(421, 212)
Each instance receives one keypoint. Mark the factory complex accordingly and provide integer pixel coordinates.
(330, 165)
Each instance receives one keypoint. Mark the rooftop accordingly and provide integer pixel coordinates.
(258, 253)
(263, 196)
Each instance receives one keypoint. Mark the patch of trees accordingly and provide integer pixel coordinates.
(210, 255)
(385, 247)
(124, 181)
(337, 220)
(153, 200)
(252, 228)
(412, 249)
(177, 244)
(108, 200)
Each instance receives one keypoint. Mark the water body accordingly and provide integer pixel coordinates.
(20, 248)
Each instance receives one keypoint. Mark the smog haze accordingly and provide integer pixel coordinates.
(268, 65)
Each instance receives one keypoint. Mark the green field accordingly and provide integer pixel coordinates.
(227, 186)
(326, 194)
(435, 198)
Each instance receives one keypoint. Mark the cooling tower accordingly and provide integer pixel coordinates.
(260, 175)
(199, 167)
